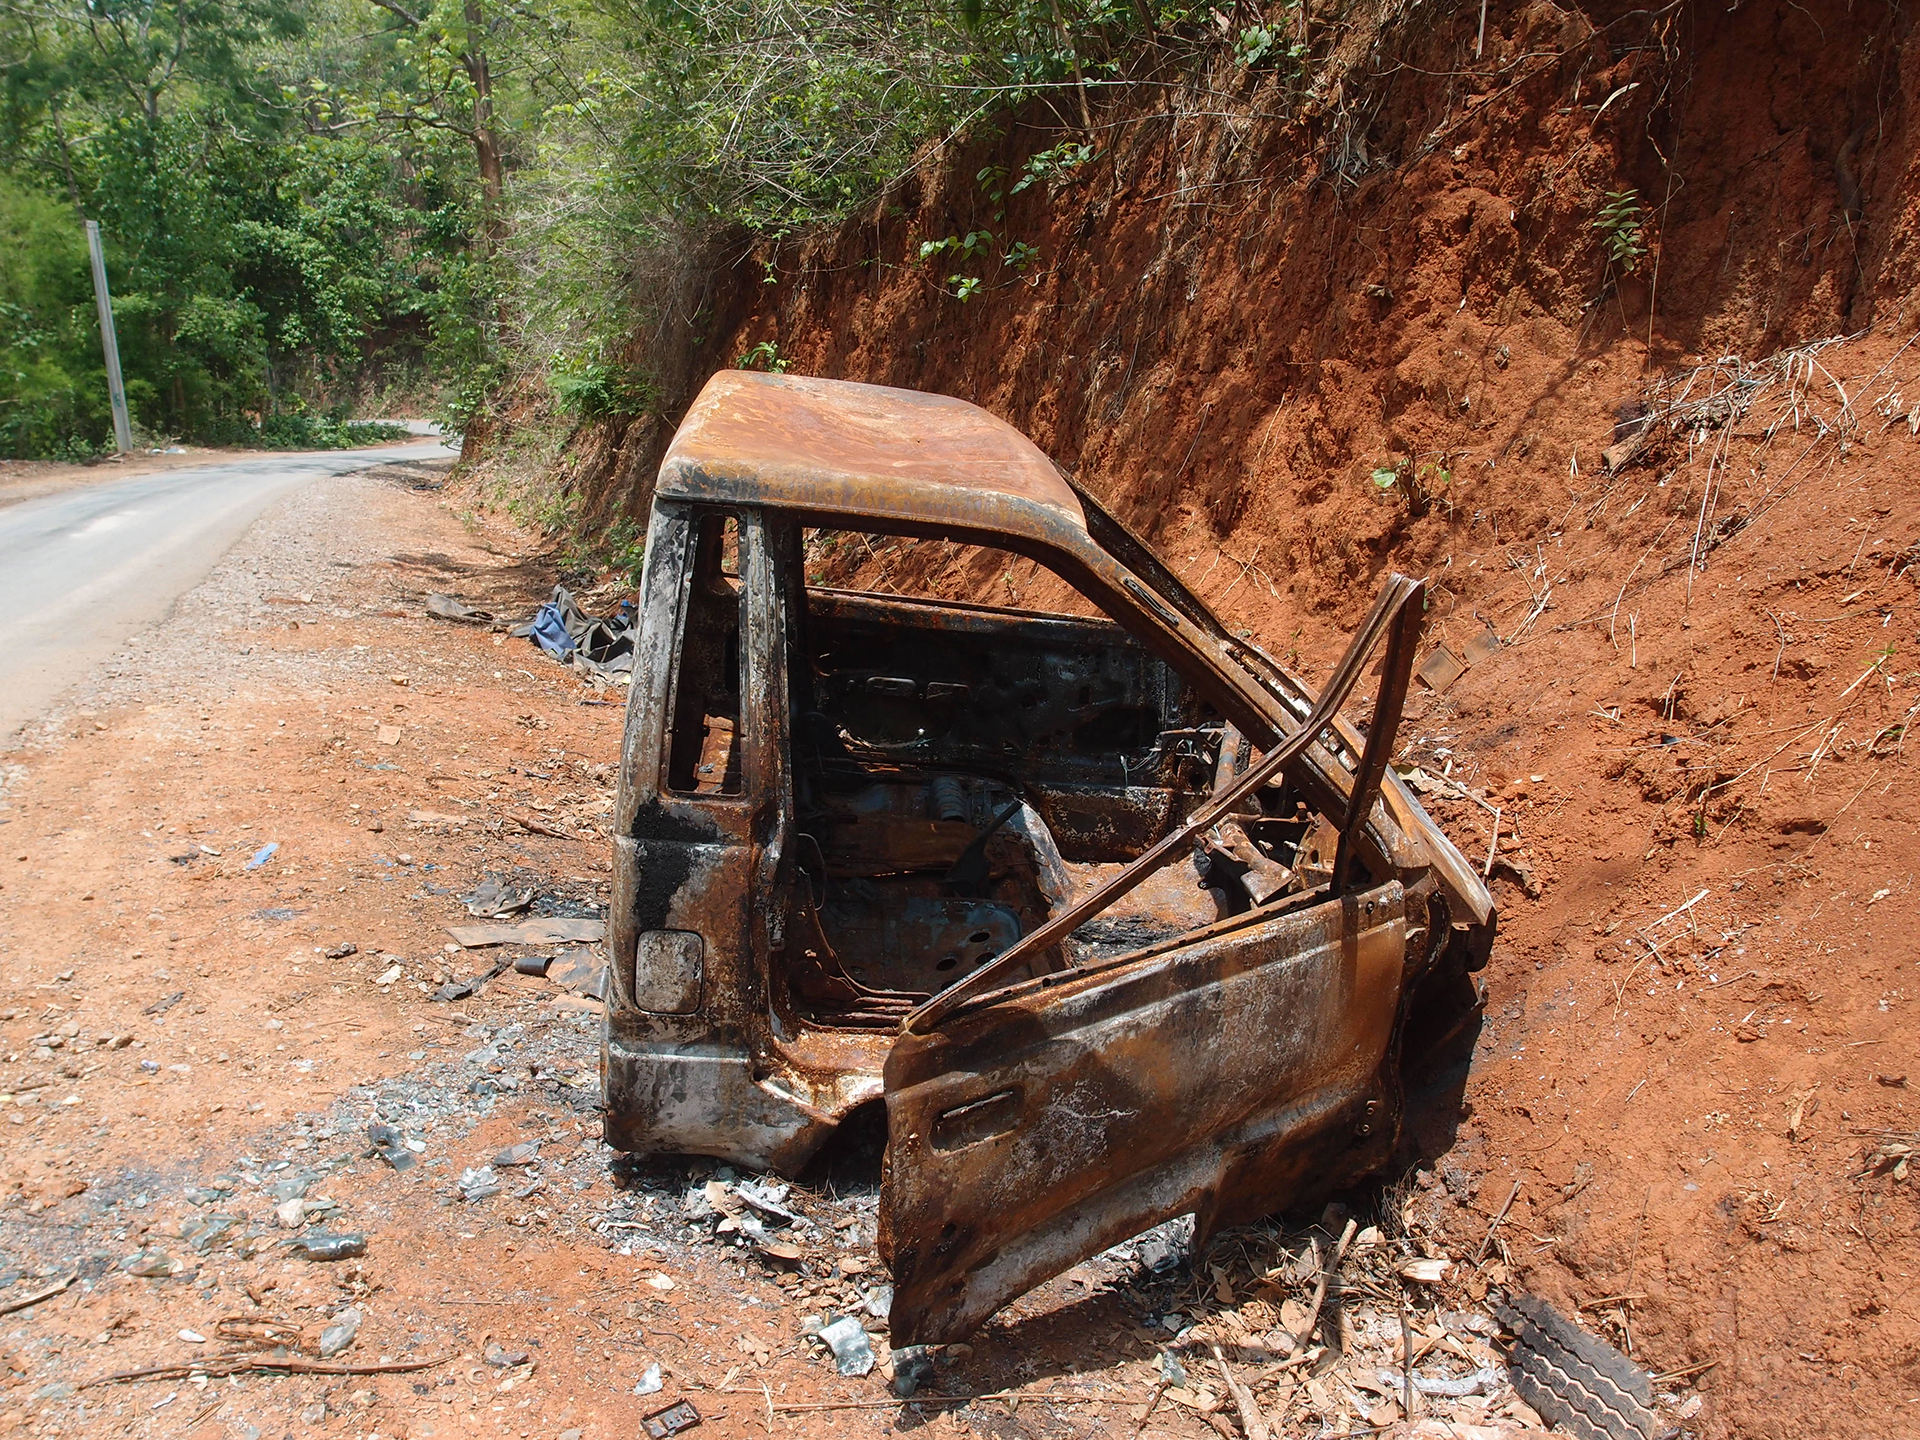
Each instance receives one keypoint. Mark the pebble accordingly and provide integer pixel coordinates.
(151, 1264)
(339, 1335)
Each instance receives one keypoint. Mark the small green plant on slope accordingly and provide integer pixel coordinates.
(972, 246)
(764, 356)
(592, 389)
(1621, 232)
(1261, 42)
(1055, 166)
(625, 548)
(1420, 481)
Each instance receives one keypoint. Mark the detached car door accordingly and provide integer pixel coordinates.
(1223, 1075)
(1227, 1072)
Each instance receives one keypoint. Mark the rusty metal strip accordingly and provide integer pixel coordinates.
(1396, 675)
(1395, 596)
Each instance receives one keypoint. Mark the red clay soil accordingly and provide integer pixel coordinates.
(1251, 303)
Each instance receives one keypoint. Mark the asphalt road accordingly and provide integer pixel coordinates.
(83, 572)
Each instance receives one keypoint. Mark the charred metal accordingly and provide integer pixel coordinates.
(1116, 917)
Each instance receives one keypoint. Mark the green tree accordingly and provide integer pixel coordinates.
(52, 391)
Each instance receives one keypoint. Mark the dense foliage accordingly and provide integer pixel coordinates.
(313, 206)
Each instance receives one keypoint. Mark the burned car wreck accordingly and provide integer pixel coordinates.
(1115, 917)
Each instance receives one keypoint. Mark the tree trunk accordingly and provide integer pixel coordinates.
(66, 160)
(486, 141)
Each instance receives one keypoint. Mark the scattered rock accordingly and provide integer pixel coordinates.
(339, 1335)
(203, 1233)
(151, 1264)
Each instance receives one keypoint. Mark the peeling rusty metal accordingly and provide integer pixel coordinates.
(878, 849)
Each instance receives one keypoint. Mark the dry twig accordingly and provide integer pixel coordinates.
(1253, 1423)
(1320, 1290)
(235, 1362)
(540, 827)
(1481, 1253)
(37, 1296)
(1066, 1395)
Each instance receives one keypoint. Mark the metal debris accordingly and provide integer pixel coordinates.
(492, 897)
(671, 1421)
(317, 1245)
(390, 1146)
(852, 1349)
(553, 930)
(479, 1184)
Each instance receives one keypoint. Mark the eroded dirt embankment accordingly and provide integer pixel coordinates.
(1252, 300)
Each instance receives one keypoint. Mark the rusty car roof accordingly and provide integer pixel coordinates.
(802, 443)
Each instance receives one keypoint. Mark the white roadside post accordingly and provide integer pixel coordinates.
(109, 342)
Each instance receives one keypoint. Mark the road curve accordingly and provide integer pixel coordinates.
(84, 571)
